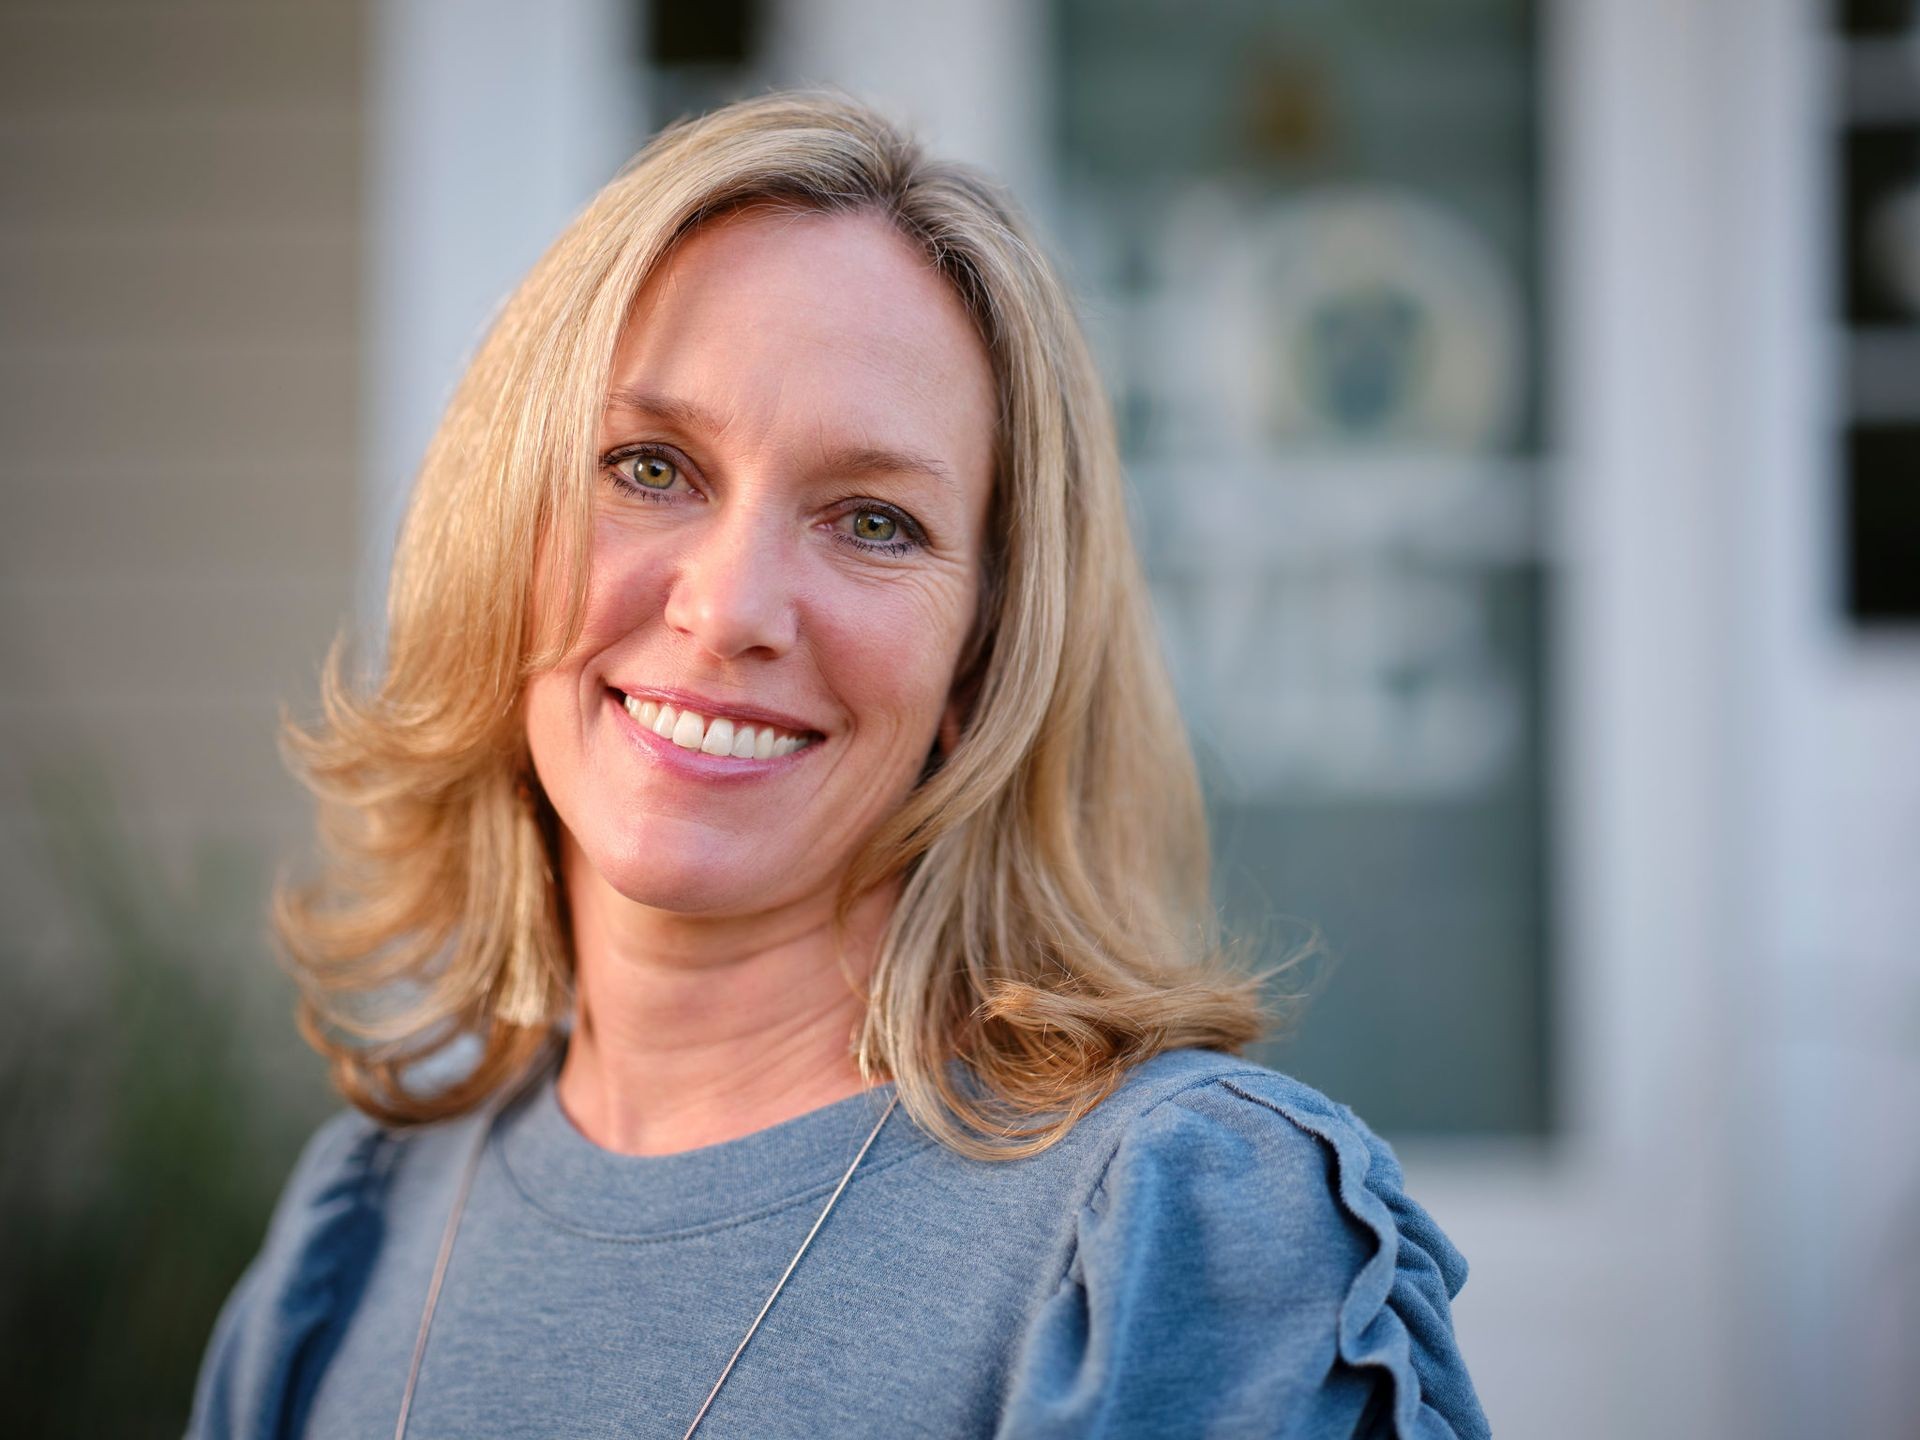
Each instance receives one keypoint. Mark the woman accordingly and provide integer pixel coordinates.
(775, 783)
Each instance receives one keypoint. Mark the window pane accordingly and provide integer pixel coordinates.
(1306, 235)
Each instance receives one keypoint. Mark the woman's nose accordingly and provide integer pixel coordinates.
(733, 591)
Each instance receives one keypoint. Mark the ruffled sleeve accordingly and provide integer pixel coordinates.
(1248, 1264)
(279, 1324)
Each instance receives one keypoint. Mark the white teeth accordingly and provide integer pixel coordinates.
(719, 739)
(720, 736)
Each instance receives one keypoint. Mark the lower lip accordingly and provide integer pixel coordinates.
(697, 764)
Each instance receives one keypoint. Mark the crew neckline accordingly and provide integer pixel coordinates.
(585, 1187)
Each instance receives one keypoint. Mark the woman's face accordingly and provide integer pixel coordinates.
(797, 455)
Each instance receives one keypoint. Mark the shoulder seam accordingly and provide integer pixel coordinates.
(1199, 1083)
(1331, 1112)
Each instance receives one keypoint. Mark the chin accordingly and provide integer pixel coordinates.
(690, 870)
(685, 892)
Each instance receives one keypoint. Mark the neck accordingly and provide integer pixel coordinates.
(690, 1032)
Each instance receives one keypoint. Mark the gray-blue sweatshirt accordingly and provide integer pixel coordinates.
(1216, 1250)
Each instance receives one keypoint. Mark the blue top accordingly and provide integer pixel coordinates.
(1216, 1249)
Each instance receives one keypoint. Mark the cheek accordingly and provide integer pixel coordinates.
(890, 650)
(612, 584)
(626, 584)
(552, 727)
(617, 590)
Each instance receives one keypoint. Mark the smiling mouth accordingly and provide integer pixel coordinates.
(718, 735)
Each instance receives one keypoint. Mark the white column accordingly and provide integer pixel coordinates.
(970, 79)
(489, 123)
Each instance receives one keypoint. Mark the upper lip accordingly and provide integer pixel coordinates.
(709, 707)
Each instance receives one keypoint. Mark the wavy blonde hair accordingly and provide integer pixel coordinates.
(1054, 925)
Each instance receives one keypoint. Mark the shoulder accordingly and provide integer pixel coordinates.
(1213, 1128)
(337, 1154)
(1232, 1125)
(1196, 1129)
(1186, 1106)
(332, 1192)
(1246, 1212)
(282, 1316)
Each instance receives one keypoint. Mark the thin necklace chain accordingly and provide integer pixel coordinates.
(492, 1113)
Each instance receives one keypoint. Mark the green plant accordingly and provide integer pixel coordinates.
(145, 1143)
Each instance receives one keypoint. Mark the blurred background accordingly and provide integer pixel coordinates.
(1522, 405)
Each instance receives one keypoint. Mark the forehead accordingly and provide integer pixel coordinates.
(802, 327)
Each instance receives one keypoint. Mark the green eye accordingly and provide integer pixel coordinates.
(872, 526)
(655, 472)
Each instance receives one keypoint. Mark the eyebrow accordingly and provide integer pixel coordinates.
(851, 460)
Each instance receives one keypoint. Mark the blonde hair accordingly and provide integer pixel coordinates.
(1054, 925)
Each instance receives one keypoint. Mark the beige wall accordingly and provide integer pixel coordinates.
(180, 220)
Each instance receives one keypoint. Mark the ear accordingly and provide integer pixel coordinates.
(950, 720)
(959, 708)
(970, 674)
